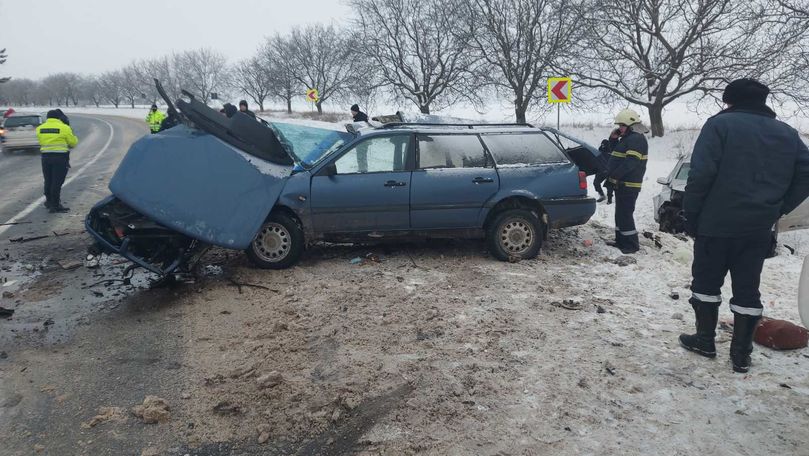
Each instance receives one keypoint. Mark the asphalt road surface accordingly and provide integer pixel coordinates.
(103, 141)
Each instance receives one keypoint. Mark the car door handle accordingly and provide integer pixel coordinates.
(395, 184)
(483, 180)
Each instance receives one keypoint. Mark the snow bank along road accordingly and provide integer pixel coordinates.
(431, 348)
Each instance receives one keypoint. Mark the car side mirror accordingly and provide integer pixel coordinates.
(662, 181)
(329, 170)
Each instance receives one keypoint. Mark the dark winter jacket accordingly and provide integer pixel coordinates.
(360, 117)
(747, 169)
(248, 112)
(627, 164)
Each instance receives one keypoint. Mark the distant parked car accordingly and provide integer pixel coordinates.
(668, 205)
(18, 132)
(272, 189)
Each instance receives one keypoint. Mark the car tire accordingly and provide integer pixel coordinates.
(515, 233)
(278, 244)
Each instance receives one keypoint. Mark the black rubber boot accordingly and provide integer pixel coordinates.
(702, 343)
(58, 209)
(744, 327)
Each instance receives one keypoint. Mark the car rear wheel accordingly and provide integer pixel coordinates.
(515, 233)
(278, 244)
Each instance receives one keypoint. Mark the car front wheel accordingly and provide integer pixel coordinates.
(515, 233)
(278, 244)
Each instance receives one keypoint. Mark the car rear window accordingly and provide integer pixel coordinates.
(22, 121)
(523, 149)
(451, 151)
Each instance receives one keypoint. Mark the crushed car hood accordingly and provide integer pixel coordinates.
(196, 184)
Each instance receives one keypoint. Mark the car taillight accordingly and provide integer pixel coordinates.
(2, 132)
(582, 180)
(119, 232)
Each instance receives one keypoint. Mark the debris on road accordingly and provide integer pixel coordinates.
(270, 380)
(23, 239)
(239, 285)
(6, 313)
(153, 410)
(356, 260)
(227, 408)
(677, 316)
(568, 304)
(8, 295)
(91, 261)
(674, 295)
(69, 265)
(625, 260)
(104, 415)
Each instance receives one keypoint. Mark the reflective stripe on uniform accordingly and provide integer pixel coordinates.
(636, 154)
(707, 298)
(52, 149)
(626, 184)
(746, 310)
(618, 154)
(629, 233)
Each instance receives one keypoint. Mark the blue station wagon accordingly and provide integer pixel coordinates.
(271, 189)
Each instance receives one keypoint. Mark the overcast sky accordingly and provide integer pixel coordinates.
(92, 36)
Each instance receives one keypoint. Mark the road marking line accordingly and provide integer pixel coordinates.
(39, 201)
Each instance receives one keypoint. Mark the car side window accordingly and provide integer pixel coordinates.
(451, 151)
(375, 155)
(515, 149)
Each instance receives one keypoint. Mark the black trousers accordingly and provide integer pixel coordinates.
(626, 235)
(54, 170)
(599, 179)
(742, 257)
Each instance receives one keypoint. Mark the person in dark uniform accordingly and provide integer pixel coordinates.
(243, 108)
(600, 177)
(357, 115)
(747, 170)
(625, 171)
(56, 138)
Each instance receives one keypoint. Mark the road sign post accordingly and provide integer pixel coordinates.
(560, 90)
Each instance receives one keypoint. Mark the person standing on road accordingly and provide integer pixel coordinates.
(55, 141)
(747, 170)
(154, 119)
(243, 108)
(625, 171)
(357, 115)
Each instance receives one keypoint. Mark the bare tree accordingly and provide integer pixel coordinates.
(278, 58)
(64, 87)
(417, 48)
(90, 89)
(522, 41)
(111, 84)
(653, 52)
(252, 77)
(323, 59)
(130, 84)
(203, 71)
(20, 92)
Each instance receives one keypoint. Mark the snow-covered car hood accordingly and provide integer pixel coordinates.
(194, 183)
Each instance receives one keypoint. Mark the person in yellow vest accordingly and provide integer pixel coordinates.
(56, 138)
(155, 119)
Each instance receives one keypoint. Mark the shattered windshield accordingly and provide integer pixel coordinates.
(310, 144)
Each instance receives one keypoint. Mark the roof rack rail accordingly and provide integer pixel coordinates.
(469, 125)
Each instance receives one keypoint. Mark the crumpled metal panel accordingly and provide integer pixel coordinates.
(200, 186)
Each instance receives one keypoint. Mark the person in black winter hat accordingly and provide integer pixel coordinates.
(745, 92)
(243, 108)
(358, 115)
(747, 170)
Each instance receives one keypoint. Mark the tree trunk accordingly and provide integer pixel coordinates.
(261, 106)
(425, 109)
(319, 106)
(656, 120)
(519, 112)
(289, 105)
(132, 102)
